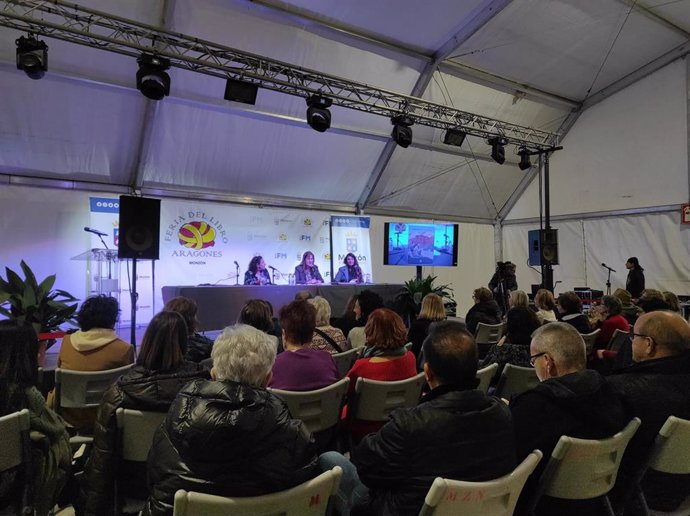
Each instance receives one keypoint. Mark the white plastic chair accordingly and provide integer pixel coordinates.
(590, 339)
(485, 375)
(307, 499)
(375, 400)
(15, 452)
(345, 360)
(515, 380)
(491, 498)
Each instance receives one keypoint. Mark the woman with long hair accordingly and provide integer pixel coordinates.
(307, 272)
(18, 374)
(366, 303)
(256, 272)
(258, 314)
(198, 346)
(350, 272)
(151, 385)
(432, 310)
(635, 280)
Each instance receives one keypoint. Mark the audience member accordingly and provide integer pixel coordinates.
(348, 319)
(277, 331)
(634, 283)
(455, 432)
(513, 348)
(257, 314)
(630, 311)
(303, 295)
(609, 319)
(198, 346)
(570, 400)
(546, 306)
(651, 300)
(51, 456)
(672, 301)
(518, 298)
(326, 337)
(432, 310)
(569, 306)
(151, 385)
(484, 310)
(96, 347)
(655, 386)
(385, 359)
(229, 436)
(366, 302)
(301, 368)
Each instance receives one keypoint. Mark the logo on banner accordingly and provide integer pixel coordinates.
(325, 222)
(196, 232)
(197, 235)
(351, 245)
(280, 256)
(327, 256)
(306, 238)
(307, 222)
(324, 240)
(282, 236)
(116, 236)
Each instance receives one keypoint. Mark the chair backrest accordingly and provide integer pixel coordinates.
(590, 339)
(491, 498)
(135, 430)
(593, 463)
(319, 409)
(345, 360)
(672, 447)
(485, 375)
(15, 451)
(375, 400)
(617, 340)
(489, 333)
(82, 389)
(307, 499)
(515, 379)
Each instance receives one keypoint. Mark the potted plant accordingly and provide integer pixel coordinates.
(409, 300)
(28, 301)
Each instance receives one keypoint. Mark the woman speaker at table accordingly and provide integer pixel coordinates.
(307, 273)
(350, 272)
(257, 273)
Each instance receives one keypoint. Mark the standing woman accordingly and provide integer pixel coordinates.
(635, 282)
(350, 272)
(257, 273)
(307, 273)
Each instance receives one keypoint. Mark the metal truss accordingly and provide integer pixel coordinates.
(84, 26)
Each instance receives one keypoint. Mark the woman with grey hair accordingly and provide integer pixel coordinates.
(230, 436)
(608, 319)
(326, 337)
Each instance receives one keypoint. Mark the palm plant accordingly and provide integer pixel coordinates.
(409, 301)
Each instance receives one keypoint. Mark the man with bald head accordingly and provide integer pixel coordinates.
(655, 386)
(569, 400)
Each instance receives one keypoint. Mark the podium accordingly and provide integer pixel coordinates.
(102, 272)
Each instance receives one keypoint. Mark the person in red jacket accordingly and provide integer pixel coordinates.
(609, 319)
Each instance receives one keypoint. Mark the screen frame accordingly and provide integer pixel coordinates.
(387, 235)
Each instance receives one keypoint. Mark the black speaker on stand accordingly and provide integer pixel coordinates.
(138, 238)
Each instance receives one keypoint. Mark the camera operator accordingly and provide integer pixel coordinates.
(502, 283)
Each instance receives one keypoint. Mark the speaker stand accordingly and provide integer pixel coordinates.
(133, 297)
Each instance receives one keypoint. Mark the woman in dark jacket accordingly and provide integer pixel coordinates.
(485, 310)
(229, 436)
(432, 310)
(151, 385)
(569, 307)
(635, 281)
(198, 346)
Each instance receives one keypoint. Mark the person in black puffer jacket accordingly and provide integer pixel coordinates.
(151, 385)
(485, 310)
(229, 436)
(198, 346)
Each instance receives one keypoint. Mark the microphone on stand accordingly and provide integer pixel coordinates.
(272, 268)
(236, 264)
(95, 232)
(609, 268)
(237, 272)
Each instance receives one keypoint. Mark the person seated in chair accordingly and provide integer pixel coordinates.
(229, 436)
(569, 307)
(484, 310)
(198, 346)
(456, 431)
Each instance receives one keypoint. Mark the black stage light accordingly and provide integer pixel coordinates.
(498, 151)
(402, 133)
(32, 57)
(240, 91)
(152, 80)
(454, 137)
(525, 162)
(318, 116)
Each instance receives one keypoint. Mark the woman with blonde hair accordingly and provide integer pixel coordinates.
(326, 337)
(432, 310)
(518, 299)
(546, 305)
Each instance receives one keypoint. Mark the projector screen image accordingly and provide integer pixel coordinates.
(420, 244)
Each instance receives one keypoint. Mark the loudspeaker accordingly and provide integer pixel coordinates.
(139, 228)
(543, 247)
(240, 91)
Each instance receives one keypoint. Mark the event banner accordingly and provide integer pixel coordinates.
(350, 234)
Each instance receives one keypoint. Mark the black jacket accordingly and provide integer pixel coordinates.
(487, 312)
(227, 439)
(198, 348)
(578, 321)
(581, 404)
(635, 282)
(418, 331)
(452, 433)
(139, 389)
(654, 390)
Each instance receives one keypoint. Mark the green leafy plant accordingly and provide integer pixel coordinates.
(28, 301)
(410, 299)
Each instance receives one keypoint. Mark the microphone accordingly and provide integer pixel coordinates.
(95, 232)
(236, 264)
(272, 268)
(609, 268)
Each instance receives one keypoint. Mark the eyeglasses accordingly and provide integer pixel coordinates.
(633, 335)
(533, 358)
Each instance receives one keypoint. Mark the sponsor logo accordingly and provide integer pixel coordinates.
(327, 256)
(351, 245)
(305, 238)
(324, 240)
(255, 236)
(197, 235)
(104, 205)
(283, 237)
(307, 222)
(280, 256)
(325, 222)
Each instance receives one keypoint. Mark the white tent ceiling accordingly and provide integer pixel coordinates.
(536, 63)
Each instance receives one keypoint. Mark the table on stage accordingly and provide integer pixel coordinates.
(220, 305)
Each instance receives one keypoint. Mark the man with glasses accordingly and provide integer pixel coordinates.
(569, 400)
(655, 386)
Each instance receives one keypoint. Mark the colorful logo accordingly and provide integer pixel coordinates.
(307, 222)
(327, 256)
(197, 235)
(351, 245)
(282, 236)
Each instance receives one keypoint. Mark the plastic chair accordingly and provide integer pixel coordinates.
(485, 375)
(345, 360)
(15, 452)
(514, 380)
(307, 499)
(135, 430)
(590, 339)
(375, 400)
(487, 335)
(618, 338)
(672, 447)
(491, 498)
(582, 469)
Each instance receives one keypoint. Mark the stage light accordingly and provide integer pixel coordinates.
(525, 162)
(32, 57)
(152, 80)
(454, 137)
(402, 133)
(498, 151)
(318, 116)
